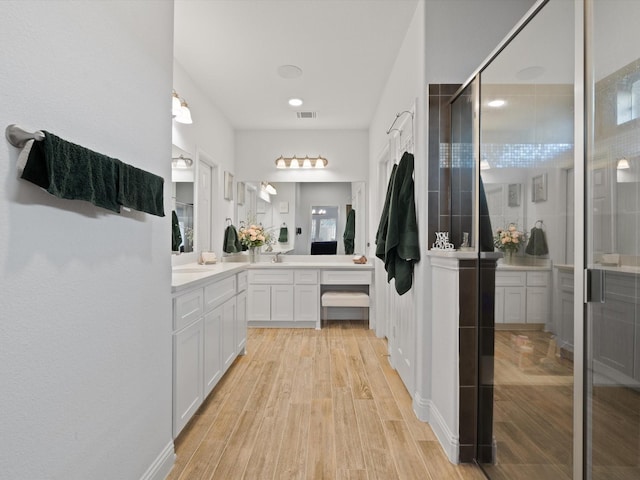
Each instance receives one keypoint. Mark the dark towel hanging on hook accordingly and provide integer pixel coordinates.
(537, 241)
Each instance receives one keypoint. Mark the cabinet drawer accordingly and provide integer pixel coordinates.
(345, 277)
(309, 277)
(510, 279)
(538, 279)
(218, 292)
(242, 281)
(187, 308)
(271, 277)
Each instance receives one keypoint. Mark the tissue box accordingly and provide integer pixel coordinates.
(208, 258)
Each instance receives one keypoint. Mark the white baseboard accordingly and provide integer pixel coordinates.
(162, 465)
(421, 407)
(427, 411)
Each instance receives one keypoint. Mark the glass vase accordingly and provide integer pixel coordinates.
(254, 254)
(509, 257)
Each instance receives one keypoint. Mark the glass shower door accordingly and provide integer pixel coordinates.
(612, 330)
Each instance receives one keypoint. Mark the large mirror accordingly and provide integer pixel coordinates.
(287, 215)
(182, 200)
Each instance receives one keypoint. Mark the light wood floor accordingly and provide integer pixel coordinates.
(312, 405)
(533, 418)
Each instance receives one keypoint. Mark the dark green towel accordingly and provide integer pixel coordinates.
(140, 190)
(176, 236)
(383, 226)
(70, 171)
(537, 242)
(486, 233)
(231, 243)
(284, 235)
(401, 243)
(349, 232)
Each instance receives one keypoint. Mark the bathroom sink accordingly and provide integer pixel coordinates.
(191, 270)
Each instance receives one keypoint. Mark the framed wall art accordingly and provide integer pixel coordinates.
(515, 191)
(539, 188)
(228, 186)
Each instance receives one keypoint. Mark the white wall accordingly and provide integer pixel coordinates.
(85, 331)
(461, 34)
(212, 136)
(346, 151)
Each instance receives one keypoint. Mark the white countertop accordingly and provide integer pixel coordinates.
(190, 275)
(631, 269)
(187, 276)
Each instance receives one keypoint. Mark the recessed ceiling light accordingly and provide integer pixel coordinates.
(289, 71)
(497, 103)
(530, 73)
(295, 102)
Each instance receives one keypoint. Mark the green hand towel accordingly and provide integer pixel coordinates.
(284, 235)
(349, 232)
(231, 243)
(140, 190)
(70, 171)
(176, 236)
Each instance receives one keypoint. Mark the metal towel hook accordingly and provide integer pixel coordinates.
(18, 137)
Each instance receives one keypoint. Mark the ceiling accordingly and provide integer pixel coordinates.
(346, 48)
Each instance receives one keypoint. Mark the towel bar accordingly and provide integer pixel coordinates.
(18, 137)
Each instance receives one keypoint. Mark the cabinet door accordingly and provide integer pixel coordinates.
(228, 332)
(306, 303)
(537, 305)
(514, 304)
(259, 303)
(212, 351)
(613, 335)
(282, 303)
(566, 320)
(187, 374)
(241, 323)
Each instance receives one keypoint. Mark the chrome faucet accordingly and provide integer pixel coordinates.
(276, 257)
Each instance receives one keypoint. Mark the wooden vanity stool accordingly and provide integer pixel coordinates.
(345, 299)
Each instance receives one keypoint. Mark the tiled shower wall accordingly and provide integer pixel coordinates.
(450, 209)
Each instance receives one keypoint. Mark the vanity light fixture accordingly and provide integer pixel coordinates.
(175, 104)
(623, 164)
(270, 189)
(181, 162)
(301, 162)
(180, 109)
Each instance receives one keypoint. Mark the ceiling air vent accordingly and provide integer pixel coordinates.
(306, 114)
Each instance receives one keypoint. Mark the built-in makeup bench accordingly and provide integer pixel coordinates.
(289, 293)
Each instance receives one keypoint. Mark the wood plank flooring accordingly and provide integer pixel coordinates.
(308, 404)
(533, 418)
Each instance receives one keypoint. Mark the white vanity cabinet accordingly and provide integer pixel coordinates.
(522, 296)
(564, 308)
(306, 296)
(209, 331)
(283, 297)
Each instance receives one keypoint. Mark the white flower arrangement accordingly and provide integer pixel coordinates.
(508, 239)
(254, 236)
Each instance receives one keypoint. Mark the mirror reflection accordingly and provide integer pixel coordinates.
(182, 199)
(290, 210)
